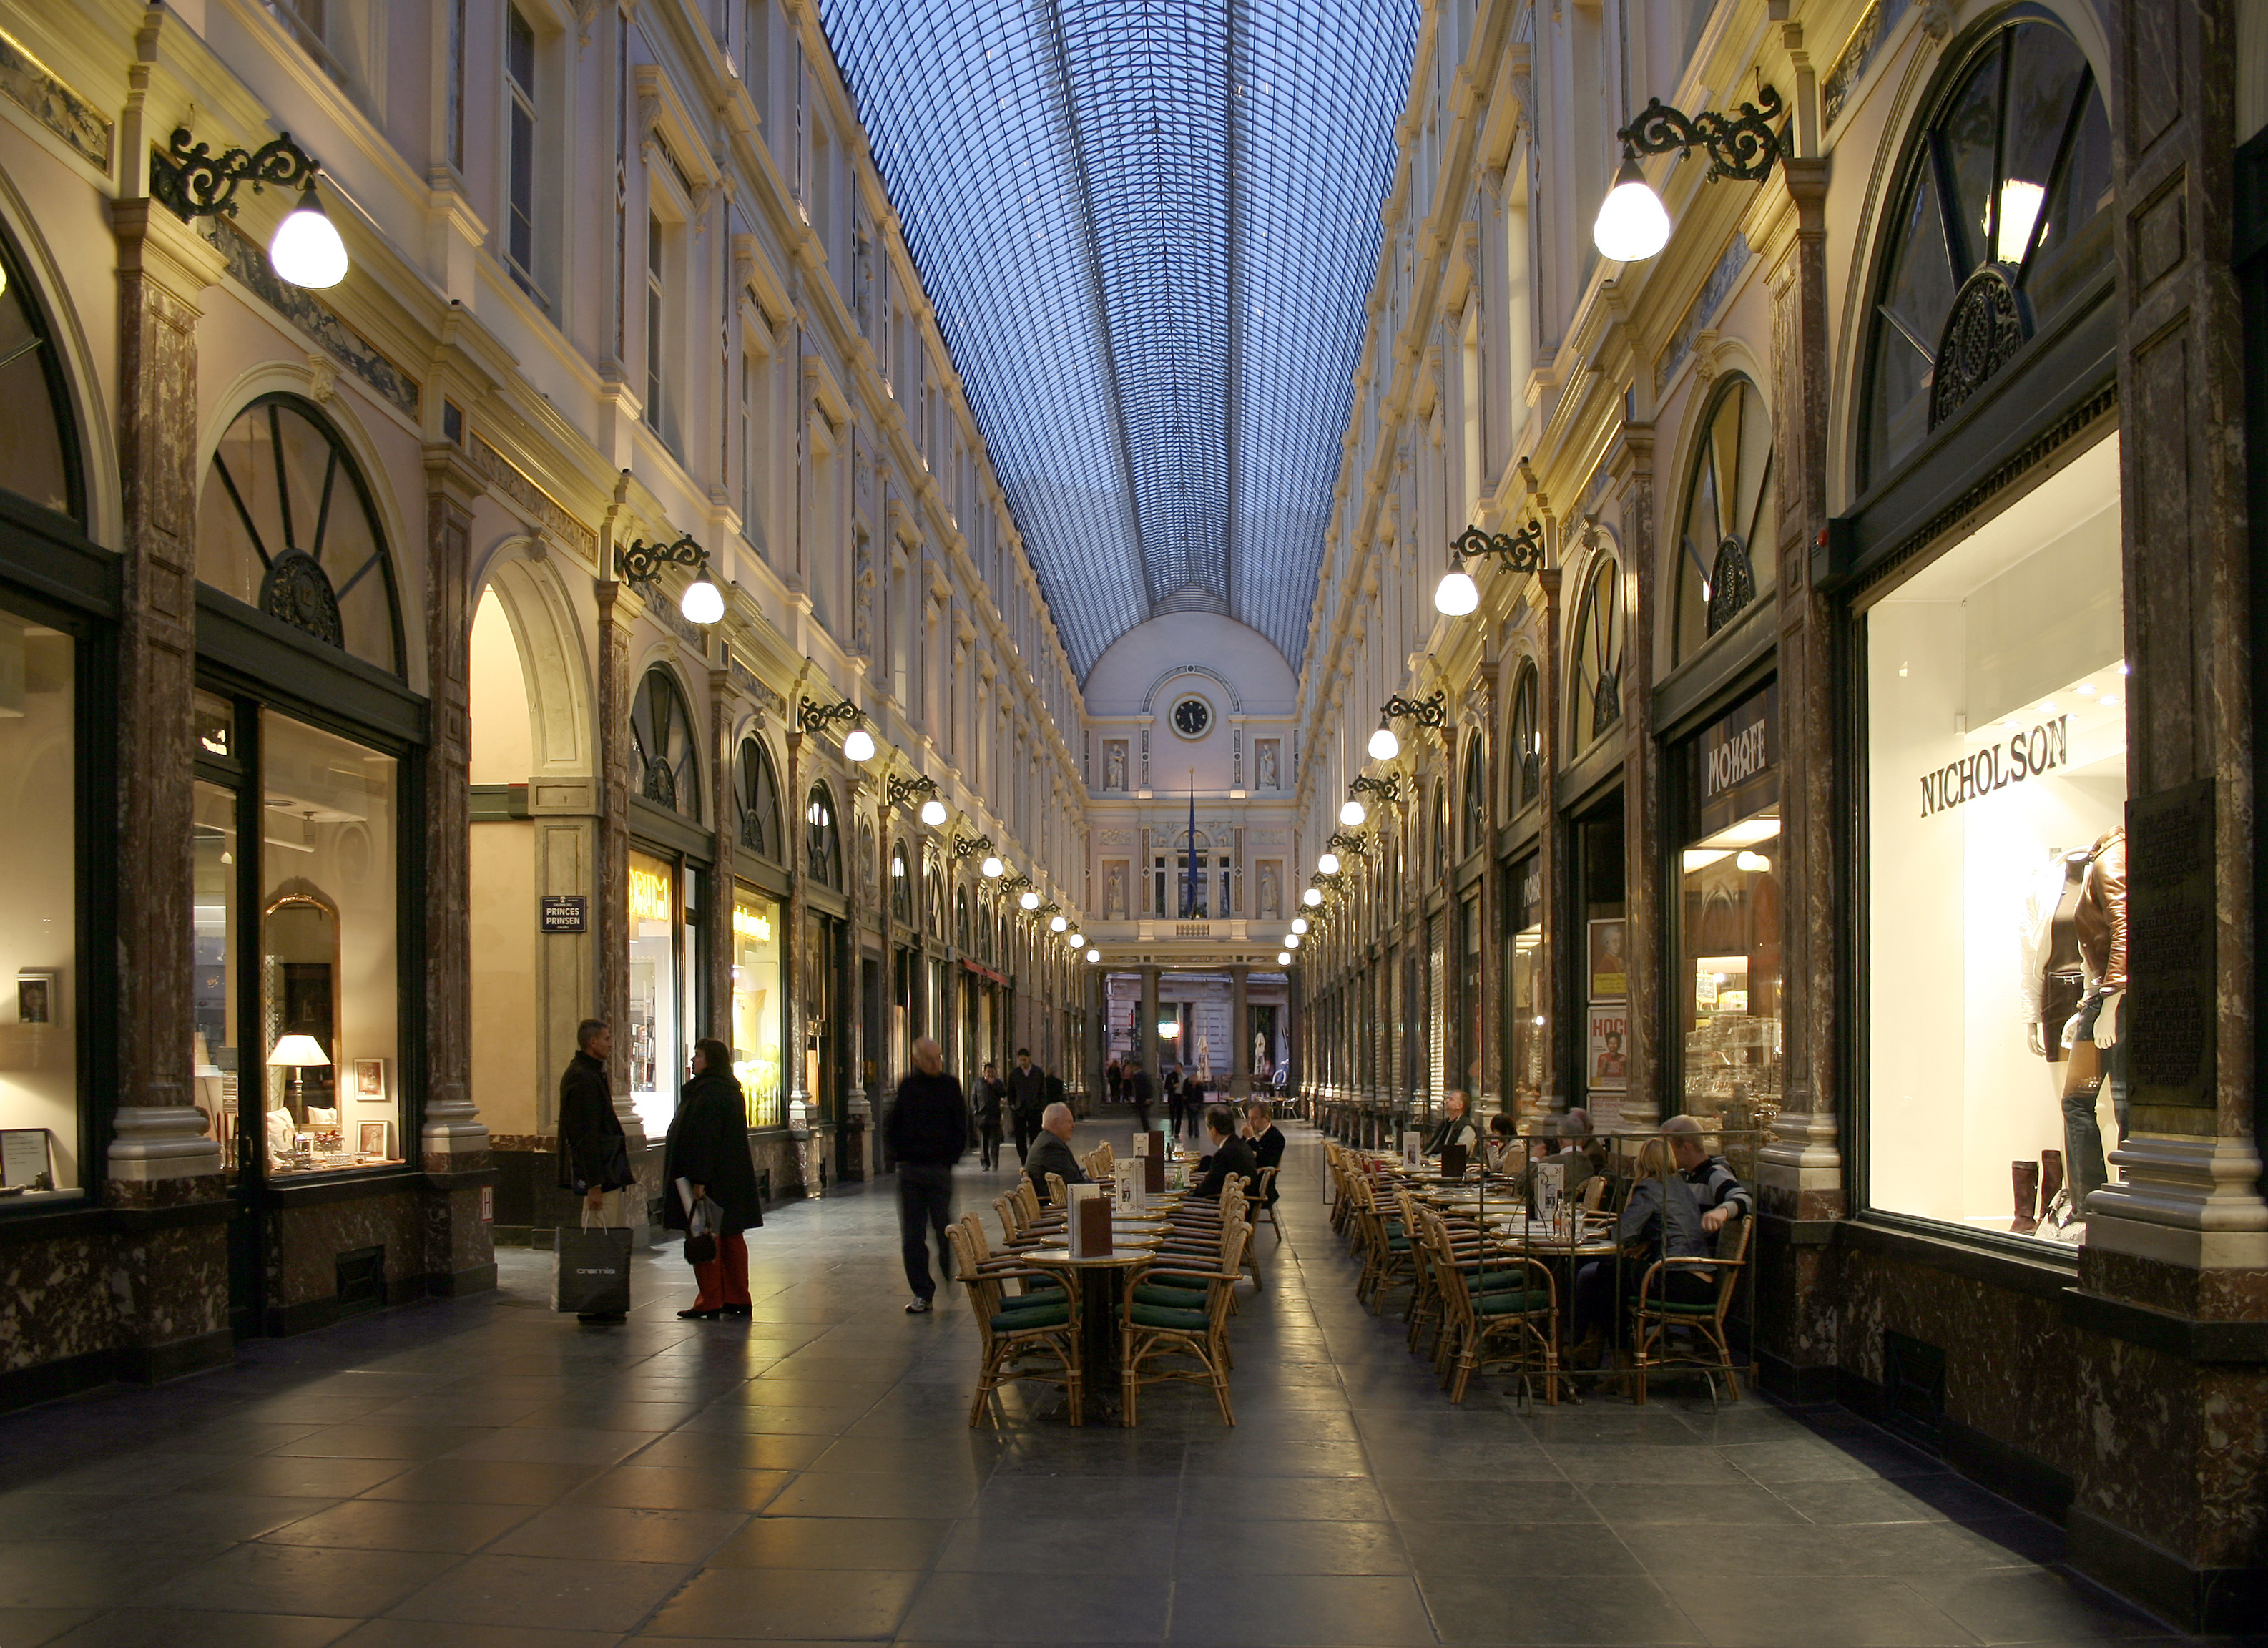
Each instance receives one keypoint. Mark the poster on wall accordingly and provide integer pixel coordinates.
(1609, 972)
(1609, 1067)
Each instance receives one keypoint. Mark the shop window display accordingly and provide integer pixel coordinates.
(659, 963)
(1995, 865)
(39, 1024)
(757, 1006)
(1524, 920)
(1729, 985)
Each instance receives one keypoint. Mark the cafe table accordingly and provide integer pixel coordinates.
(1102, 1284)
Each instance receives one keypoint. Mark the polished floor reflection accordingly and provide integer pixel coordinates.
(487, 1474)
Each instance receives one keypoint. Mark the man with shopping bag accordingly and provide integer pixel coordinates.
(594, 1254)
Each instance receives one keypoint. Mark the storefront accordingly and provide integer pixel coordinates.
(667, 886)
(757, 1006)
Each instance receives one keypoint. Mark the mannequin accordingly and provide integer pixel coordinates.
(2053, 980)
(2095, 1032)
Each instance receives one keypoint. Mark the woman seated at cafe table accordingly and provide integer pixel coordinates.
(1660, 1220)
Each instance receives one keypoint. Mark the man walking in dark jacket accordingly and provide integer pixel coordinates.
(928, 1133)
(594, 1155)
(1028, 1097)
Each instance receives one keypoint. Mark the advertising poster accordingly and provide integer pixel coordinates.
(1609, 972)
(1608, 1070)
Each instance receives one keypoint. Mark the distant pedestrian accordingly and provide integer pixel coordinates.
(990, 1093)
(1028, 1097)
(1173, 1102)
(594, 1158)
(1138, 1093)
(1113, 1081)
(928, 1133)
(708, 1151)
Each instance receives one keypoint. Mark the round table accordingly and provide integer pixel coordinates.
(1102, 1284)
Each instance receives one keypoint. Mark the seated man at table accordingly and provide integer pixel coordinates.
(1455, 1126)
(1717, 1188)
(1051, 1153)
(1267, 1140)
(1575, 1163)
(1230, 1155)
(1661, 1221)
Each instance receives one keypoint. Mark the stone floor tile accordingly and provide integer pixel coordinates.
(486, 1481)
(755, 1604)
(39, 1574)
(1517, 1550)
(174, 1628)
(1101, 1543)
(878, 1544)
(621, 1534)
(402, 1525)
(265, 1578)
(2031, 1604)
(1317, 1611)
(681, 1488)
(1833, 1612)
(1038, 1608)
(559, 1593)
(1206, 1548)
(388, 1633)
(874, 1494)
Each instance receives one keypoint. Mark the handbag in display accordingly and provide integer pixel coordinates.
(593, 1278)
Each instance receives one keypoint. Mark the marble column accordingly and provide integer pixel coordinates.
(1647, 1096)
(1561, 1035)
(611, 914)
(1239, 1036)
(171, 1283)
(726, 705)
(1146, 1030)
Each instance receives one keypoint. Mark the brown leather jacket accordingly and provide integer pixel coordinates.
(2100, 917)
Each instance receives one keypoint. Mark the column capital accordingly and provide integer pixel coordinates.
(163, 250)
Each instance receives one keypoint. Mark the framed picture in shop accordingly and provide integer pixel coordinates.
(369, 1139)
(1610, 972)
(35, 998)
(370, 1078)
(1607, 1066)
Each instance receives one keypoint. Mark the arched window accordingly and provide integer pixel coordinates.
(286, 523)
(1598, 654)
(2002, 222)
(870, 859)
(934, 894)
(902, 886)
(1476, 797)
(822, 850)
(1726, 554)
(1526, 762)
(39, 439)
(1440, 827)
(961, 933)
(755, 801)
(664, 767)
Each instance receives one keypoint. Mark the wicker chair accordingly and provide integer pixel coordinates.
(1505, 1314)
(1263, 1209)
(1161, 1338)
(1057, 1197)
(1654, 1316)
(1384, 1244)
(1007, 1263)
(1031, 1337)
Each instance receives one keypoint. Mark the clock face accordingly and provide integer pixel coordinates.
(1192, 716)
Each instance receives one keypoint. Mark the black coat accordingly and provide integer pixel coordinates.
(592, 1148)
(989, 1095)
(929, 1125)
(1268, 1151)
(1233, 1156)
(1028, 1095)
(709, 1146)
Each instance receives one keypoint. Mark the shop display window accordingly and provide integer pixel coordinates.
(39, 1024)
(1602, 964)
(1729, 1001)
(1524, 919)
(757, 1005)
(661, 961)
(1995, 752)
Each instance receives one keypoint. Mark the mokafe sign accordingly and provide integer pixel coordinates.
(1994, 767)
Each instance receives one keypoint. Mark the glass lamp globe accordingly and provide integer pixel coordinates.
(1095, 955)
(1300, 924)
(857, 744)
(1328, 864)
(1456, 595)
(1632, 223)
(1312, 897)
(306, 250)
(1282, 958)
(1291, 941)
(1056, 923)
(702, 602)
(993, 869)
(932, 813)
(1351, 815)
(1077, 939)
(1029, 900)
(1383, 745)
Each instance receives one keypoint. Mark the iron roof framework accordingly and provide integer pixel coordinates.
(1148, 228)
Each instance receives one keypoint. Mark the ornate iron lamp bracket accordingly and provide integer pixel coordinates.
(969, 846)
(194, 182)
(1341, 842)
(901, 791)
(1387, 789)
(1744, 146)
(814, 718)
(1430, 711)
(639, 563)
(1522, 551)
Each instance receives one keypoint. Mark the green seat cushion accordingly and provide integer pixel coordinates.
(1512, 1302)
(1172, 1297)
(1168, 1316)
(1041, 1285)
(1397, 1243)
(1169, 1278)
(1676, 1308)
(1040, 1315)
(1494, 1281)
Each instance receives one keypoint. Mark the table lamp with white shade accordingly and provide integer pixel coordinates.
(297, 1053)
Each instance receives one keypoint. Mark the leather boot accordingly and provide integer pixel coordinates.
(2052, 1185)
(2026, 1175)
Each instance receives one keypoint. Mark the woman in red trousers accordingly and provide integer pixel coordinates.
(708, 1149)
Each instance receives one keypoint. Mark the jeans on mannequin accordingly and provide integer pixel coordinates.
(2082, 1133)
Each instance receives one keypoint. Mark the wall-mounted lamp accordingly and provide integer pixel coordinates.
(1388, 789)
(194, 182)
(1632, 223)
(1431, 711)
(969, 846)
(1522, 551)
(901, 790)
(639, 563)
(857, 743)
(1282, 958)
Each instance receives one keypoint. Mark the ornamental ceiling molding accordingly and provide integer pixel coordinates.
(1149, 698)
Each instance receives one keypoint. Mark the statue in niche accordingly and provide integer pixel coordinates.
(1114, 893)
(1114, 764)
(1272, 890)
(1264, 764)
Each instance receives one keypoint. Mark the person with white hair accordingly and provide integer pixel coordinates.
(1716, 1187)
(1050, 1152)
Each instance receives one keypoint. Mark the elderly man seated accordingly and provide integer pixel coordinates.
(1230, 1155)
(1716, 1189)
(1454, 1127)
(1051, 1153)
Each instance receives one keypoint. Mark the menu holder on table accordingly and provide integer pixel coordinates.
(1090, 1223)
(1413, 1151)
(1548, 1190)
(1453, 1161)
(1126, 1185)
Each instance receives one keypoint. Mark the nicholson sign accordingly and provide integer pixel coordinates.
(1997, 765)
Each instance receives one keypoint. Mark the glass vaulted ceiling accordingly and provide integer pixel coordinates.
(1148, 227)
